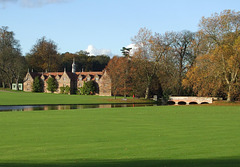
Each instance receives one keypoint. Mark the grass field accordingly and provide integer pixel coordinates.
(25, 98)
(168, 136)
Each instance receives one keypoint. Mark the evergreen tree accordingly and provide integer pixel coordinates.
(89, 88)
(52, 84)
(37, 85)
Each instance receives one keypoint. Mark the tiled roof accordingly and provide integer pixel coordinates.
(72, 76)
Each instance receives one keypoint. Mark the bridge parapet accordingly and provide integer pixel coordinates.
(190, 99)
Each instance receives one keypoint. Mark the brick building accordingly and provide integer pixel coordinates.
(72, 79)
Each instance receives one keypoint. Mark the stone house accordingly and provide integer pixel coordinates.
(72, 79)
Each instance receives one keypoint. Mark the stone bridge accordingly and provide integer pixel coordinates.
(189, 100)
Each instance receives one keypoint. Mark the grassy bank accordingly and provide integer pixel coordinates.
(25, 98)
(169, 136)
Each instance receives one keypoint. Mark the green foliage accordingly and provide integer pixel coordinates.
(12, 63)
(84, 61)
(89, 88)
(37, 85)
(62, 90)
(65, 90)
(52, 85)
(44, 56)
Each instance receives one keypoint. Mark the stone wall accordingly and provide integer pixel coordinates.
(105, 85)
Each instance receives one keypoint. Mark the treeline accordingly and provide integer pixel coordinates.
(43, 57)
(204, 63)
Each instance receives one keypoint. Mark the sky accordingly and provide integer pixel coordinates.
(102, 26)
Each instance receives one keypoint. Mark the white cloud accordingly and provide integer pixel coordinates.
(94, 51)
(134, 48)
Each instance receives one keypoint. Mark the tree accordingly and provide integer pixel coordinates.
(52, 85)
(143, 41)
(126, 53)
(203, 78)
(182, 51)
(89, 88)
(84, 61)
(222, 34)
(116, 69)
(37, 85)
(44, 56)
(152, 53)
(100, 62)
(12, 63)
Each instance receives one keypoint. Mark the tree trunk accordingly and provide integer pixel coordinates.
(124, 89)
(17, 84)
(3, 84)
(147, 92)
(229, 94)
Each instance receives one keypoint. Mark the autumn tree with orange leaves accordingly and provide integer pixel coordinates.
(44, 56)
(117, 70)
(218, 69)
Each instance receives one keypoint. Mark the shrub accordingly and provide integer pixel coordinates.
(37, 85)
(67, 89)
(62, 90)
(52, 84)
(88, 88)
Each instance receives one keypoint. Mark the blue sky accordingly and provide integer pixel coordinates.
(101, 26)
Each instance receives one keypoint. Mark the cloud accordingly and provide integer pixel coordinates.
(34, 3)
(134, 48)
(94, 51)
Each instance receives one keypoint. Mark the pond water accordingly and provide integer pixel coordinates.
(68, 107)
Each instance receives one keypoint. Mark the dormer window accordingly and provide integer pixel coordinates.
(88, 77)
(96, 77)
(80, 78)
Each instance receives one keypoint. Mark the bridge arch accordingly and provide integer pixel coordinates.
(193, 102)
(204, 103)
(171, 102)
(182, 103)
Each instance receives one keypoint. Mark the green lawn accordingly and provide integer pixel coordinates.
(25, 98)
(169, 136)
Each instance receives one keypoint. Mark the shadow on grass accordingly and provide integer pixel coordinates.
(130, 163)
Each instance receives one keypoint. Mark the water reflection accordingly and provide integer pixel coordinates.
(68, 107)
